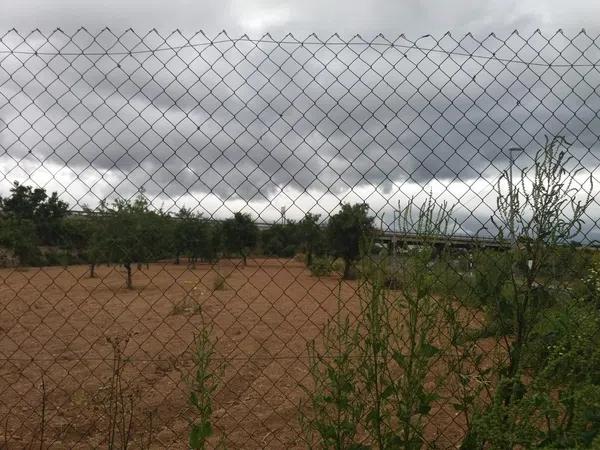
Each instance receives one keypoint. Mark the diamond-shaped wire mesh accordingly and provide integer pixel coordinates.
(152, 142)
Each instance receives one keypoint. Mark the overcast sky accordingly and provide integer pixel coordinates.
(306, 16)
(261, 126)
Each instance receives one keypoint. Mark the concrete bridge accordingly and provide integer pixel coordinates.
(402, 239)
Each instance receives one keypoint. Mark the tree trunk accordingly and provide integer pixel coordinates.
(346, 269)
(244, 259)
(177, 258)
(92, 270)
(309, 258)
(128, 268)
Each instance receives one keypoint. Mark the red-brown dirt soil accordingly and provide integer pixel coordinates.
(56, 323)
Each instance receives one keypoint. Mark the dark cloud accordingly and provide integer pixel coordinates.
(269, 124)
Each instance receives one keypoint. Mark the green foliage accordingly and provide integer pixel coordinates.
(556, 215)
(19, 235)
(204, 384)
(311, 236)
(408, 329)
(128, 233)
(560, 406)
(347, 231)
(192, 237)
(286, 240)
(281, 240)
(378, 374)
(240, 235)
(547, 394)
(490, 290)
(448, 279)
(30, 218)
(335, 406)
(215, 242)
(565, 263)
(321, 267)
(592, 283)
(33, 204)
(77, 234)
(220, 281)
(491, 271)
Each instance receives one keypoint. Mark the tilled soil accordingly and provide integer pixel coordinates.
(59, 331)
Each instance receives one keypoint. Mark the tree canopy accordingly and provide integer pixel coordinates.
(240, 234)
(33, 204)
(346, 230)
(127, 232)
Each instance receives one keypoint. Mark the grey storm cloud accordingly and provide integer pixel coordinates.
(262, 123)
(246, 120)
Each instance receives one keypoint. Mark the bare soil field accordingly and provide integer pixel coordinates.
(56, 323)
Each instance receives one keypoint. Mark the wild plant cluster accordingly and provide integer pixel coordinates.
(499, 340)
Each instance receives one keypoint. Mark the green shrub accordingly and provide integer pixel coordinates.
(288, 251)
(220, 281)
(321, 267)
(447, 280)
(331, 413)
(56, 257)
(206, 380)
(560, 406)
(337, 265)
(300, 257)
(546, 392)
(491, 271)
(375, 374)
(591, 283)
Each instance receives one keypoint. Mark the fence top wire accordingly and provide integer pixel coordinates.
(400, 42)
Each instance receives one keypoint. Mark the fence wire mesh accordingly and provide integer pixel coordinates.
(227, 242)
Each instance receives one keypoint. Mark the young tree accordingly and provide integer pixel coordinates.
(189, 235)
(180, 233)
(311, 235)
(214, 243)
(81, 236)
(240, 234)
(129, 232)
(94, 239)
(346, 230)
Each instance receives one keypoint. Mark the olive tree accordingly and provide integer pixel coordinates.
(311, 235)
(129, 232)
(240, 235)
(346, 230)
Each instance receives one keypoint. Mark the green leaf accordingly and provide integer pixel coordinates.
(429, 350)
(358, 447)
(196, 441)
(399, 358)
(425, 400)
(194, 399)
(424, 407)
(459, 407)
(387, 391)
(199, 433)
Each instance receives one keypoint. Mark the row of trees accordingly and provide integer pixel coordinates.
(37, 227)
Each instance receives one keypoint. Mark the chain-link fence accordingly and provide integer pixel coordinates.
(282, 243)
